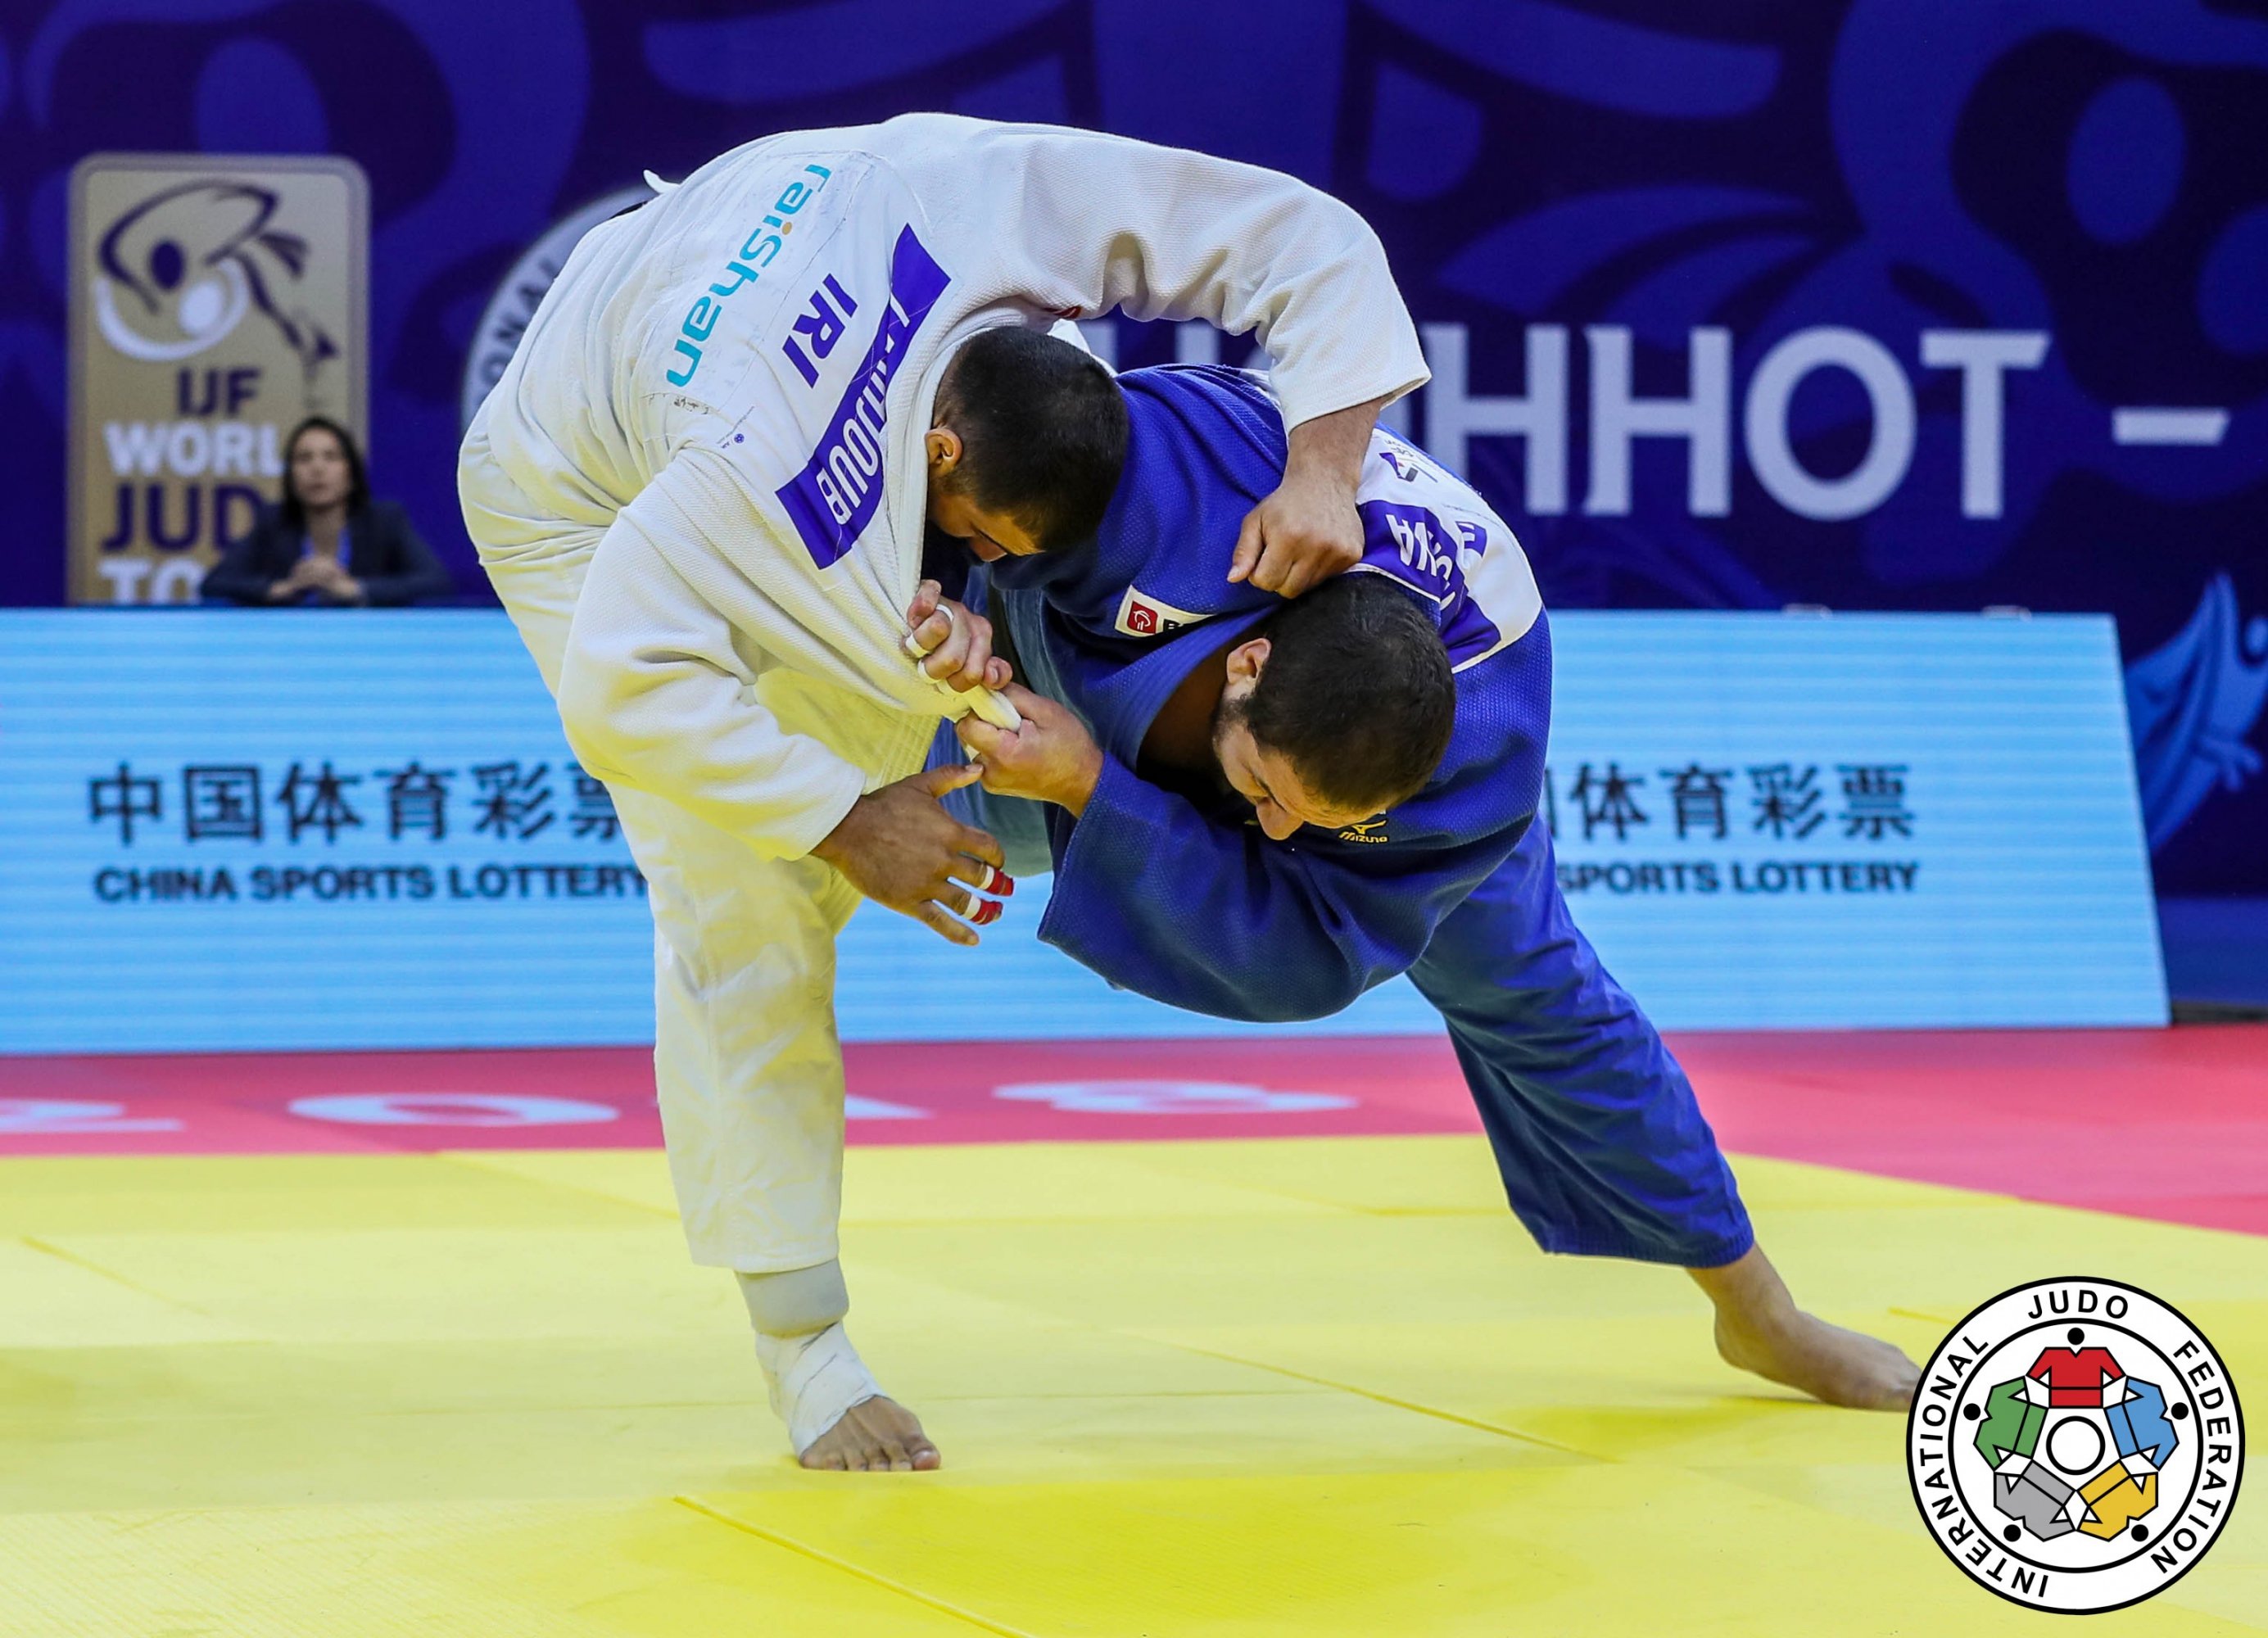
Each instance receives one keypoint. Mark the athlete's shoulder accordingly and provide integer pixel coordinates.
(1212, 383)
(1395, 470)
(954, 157)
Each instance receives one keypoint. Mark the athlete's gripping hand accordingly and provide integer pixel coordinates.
(1051, 758)
(956, 645)
(1308, 530)
(902, 849)
(1299, 536)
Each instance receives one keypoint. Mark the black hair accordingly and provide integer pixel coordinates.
(1042, 430)
(1356, 692)
(295, 515)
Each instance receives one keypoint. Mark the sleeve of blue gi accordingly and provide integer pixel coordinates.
(1213, 918)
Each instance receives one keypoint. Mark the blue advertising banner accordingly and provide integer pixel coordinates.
(1930, 304)
(245, 831)
(1890, 819)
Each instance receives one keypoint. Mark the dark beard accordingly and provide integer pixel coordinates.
(1227, 714)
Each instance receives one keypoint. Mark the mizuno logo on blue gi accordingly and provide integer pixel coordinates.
(832, 500)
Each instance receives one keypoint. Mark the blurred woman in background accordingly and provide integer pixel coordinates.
(327, 544)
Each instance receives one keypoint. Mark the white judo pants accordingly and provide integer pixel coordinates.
(746, 1061)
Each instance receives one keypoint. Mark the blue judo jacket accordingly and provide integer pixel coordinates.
(1179, 895)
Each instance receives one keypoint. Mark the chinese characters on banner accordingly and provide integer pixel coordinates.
(1821, 809)
(316, 801)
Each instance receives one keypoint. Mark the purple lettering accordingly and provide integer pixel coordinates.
(804, 367)
(916, 281)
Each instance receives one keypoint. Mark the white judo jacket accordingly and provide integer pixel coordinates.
(743, 371)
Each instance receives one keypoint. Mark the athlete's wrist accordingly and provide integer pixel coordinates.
(1079, 788)
(839, 843)
(1329, 450)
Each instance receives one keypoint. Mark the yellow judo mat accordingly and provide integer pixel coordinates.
(1312, 1386)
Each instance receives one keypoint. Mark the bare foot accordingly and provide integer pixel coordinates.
(878, 1435)
(1760, 1329)
(1840, 1367)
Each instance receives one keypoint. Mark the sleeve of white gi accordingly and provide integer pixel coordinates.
(655, 692)
(1091, 221)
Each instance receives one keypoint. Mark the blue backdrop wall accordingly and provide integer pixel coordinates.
(1892, 268)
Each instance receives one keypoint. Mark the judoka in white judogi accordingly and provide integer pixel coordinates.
(700, 488)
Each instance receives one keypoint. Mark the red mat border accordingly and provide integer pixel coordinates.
(2164, 1124)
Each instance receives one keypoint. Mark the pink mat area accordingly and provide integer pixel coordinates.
(961, 1092)
(2152, 1123)
(2169, 1123)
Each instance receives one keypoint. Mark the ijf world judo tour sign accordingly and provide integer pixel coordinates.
(216, 302)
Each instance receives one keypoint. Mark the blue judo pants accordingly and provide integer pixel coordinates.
(1602, 1149)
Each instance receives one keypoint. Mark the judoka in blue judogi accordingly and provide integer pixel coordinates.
(1173, 891)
